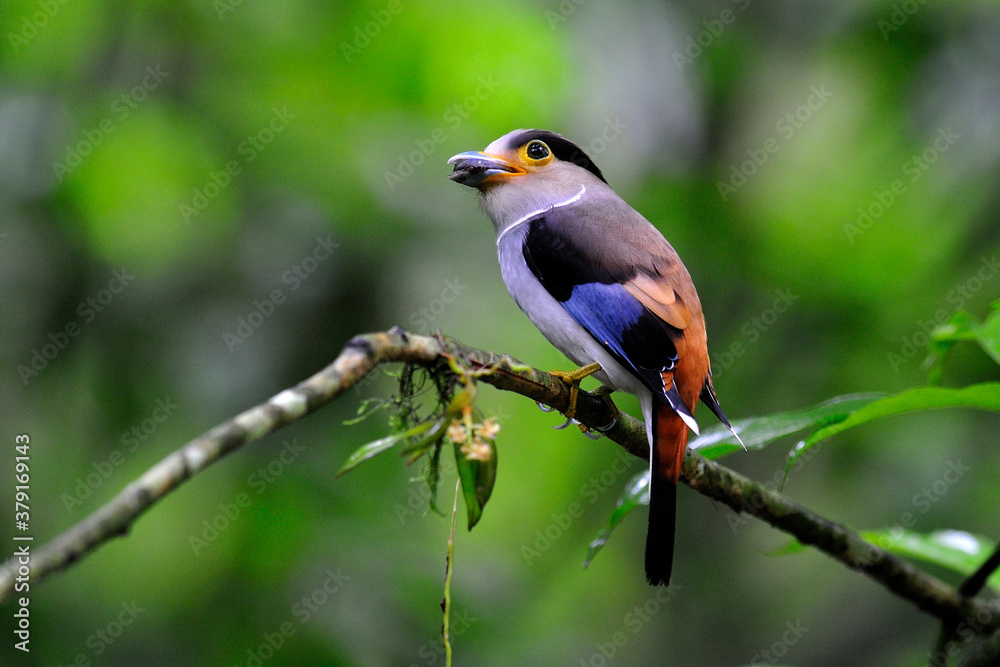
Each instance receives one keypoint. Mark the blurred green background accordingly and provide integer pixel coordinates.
(200, 202)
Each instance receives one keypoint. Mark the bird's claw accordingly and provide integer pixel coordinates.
(609, 426)
(543, 407)
(569, 420)
(586, 430)
(597, 432)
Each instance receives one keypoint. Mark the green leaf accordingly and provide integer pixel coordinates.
(955, 550)
(365, 410)
(793, 547)
(988, 335)
(417, 449)
(832, 416)
(981, 396)
(433, 478)
(964, 327)
(371, 449)
(486, 476)
(636, 493)
(758, 432)
(478, 478)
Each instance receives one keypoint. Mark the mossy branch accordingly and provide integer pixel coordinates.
(364, 353)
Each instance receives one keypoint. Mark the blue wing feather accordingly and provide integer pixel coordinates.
(596, 298)
(623, 325)
(606, 311)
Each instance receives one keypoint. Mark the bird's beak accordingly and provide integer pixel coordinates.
(473, 168)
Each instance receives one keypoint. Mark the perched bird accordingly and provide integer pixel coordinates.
(602, 285)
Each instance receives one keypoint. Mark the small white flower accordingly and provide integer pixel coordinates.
(477, 450)
(489, 429)
(457, 432)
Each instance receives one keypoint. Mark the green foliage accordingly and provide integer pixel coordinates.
(451, 419)
(840, 414)
(955, 550)
(478, 477)
(636, 493)
(371, 449)
(758, 432)
(965, 327)
(981, 397)
(379, 91)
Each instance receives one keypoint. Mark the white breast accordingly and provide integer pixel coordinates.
(557, 325)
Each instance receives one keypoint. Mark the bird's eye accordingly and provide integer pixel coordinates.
(537, 150)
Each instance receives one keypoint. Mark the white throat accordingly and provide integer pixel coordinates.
(529, 216)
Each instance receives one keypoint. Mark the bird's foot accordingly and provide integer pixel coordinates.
(605, 393)
(569, 420)
(573, 379)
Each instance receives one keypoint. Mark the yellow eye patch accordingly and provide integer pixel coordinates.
(535, 153)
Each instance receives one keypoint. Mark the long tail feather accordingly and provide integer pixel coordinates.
(667, 456)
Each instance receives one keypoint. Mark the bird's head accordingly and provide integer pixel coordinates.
(526, 170)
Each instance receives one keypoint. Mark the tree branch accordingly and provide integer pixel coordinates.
(743, 495)
(358, 358)
(975, 583)
(989, 649)
(363, 353)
